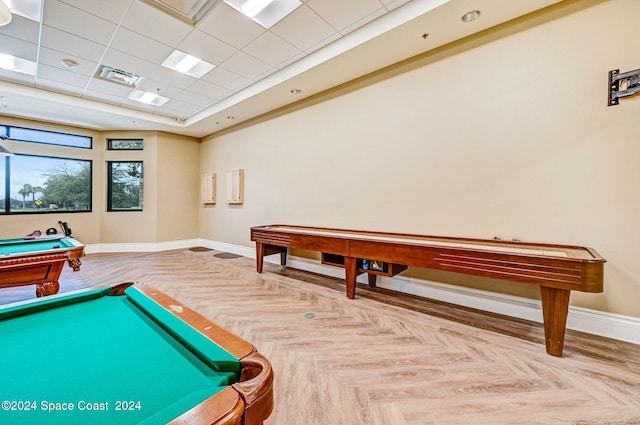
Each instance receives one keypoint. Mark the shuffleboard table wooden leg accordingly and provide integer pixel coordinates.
(350, 266)
(259, 256)
(555, 308)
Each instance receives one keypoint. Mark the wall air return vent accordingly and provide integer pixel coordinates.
(118, 76)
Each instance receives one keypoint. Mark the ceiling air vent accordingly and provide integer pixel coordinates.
(119, 76)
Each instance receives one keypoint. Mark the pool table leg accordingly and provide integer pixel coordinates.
(555, 308)
(47, 288)
(74, 263)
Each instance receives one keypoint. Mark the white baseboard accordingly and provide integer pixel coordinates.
(614, 326)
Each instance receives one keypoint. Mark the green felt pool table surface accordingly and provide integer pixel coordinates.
(19, 246)
(100, 359)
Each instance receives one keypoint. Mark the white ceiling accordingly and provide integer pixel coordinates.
(321, 44)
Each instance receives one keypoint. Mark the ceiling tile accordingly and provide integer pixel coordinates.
(54, 58)
(365, 20)
(61, 75)
(245, 65)
(271, 49)
(175, 78)
(208, 89)
(103, 97)
(22, 29)
(59, 86)
(341, 14)
(227, 79)
(178, 108)
(206, 47)
(112, 10)
(154, 24)
(197, 99)
(158, 87)
(303, 28)
(74, 45)
(19, 48)
(77, 22)
(138, 45)
(227, 24)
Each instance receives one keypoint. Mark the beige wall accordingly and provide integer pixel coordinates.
(503, 134)
(171, 179)
(178, 187)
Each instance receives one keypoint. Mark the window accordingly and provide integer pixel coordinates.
(125, 191)
(48, 137)
(125, 144)
(43, 184)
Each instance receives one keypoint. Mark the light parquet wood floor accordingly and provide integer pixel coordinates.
(388, 359)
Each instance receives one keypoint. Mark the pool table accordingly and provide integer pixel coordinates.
(126, 354)
(38, 261)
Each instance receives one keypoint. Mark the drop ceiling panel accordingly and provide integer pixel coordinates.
(271, 49)
(201, 100)
(54, 58)
(22, 29)
(140, 46)
(62, 75)
(227, 79)
(245, 65)
(303, 28)
(69, 43)
(226, 24)
(75, 21)
(210, 90)
(156, 25)
(341, 14)
(56, 85)
(19, 48)
(206, 47)
(111, 10)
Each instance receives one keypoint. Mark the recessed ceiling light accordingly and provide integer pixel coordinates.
(69, 63)
(471, 16)
(265, 12)
(187, 64)
(148, 98)
(295, 91)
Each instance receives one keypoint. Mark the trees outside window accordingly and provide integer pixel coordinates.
(125, 189)
(40, 184)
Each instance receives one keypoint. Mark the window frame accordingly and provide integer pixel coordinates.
(110, 187)
(6, 209)
(111, 140)
(8, 128)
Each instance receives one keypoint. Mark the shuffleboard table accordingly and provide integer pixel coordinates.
(38, 262)
(556, 269)
(126, 355)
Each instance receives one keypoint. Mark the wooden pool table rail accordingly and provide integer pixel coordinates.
(556, 269)
(248, 402)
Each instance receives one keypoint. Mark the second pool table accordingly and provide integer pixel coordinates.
(38, 261)
(126, 355)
